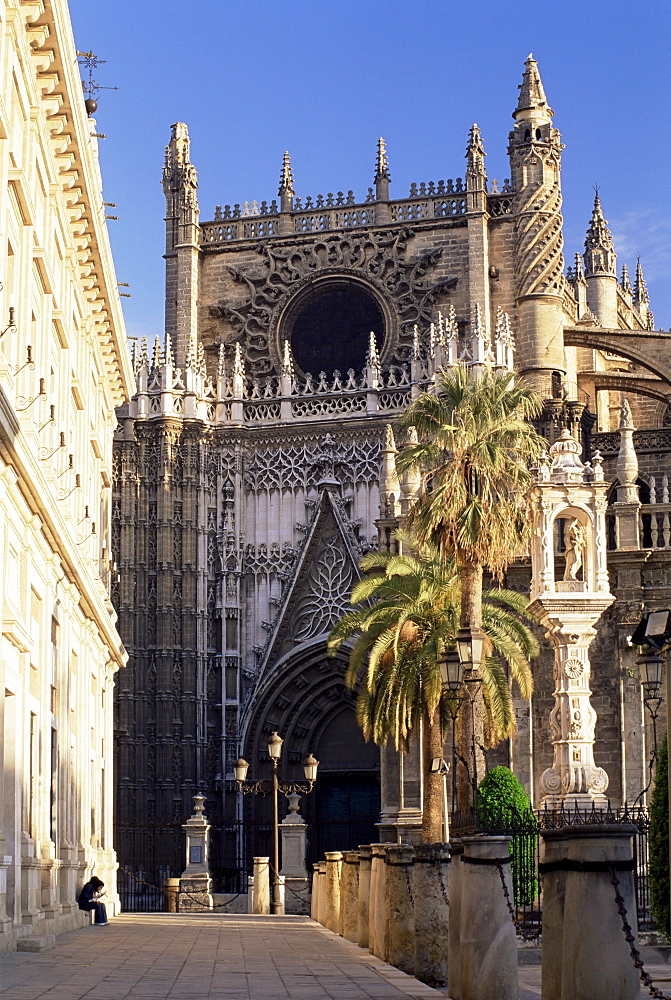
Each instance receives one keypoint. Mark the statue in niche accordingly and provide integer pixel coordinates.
(575, 550)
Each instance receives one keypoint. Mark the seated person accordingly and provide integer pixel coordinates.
(89, 899)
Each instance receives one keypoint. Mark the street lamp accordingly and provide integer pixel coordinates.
(470, 644)
(452, 676)
(654, 633)
(240, 769)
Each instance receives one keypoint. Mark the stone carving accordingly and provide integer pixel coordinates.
(379, 257)
(575, 550)
(573, 668)
(330, 582)
(293, 465)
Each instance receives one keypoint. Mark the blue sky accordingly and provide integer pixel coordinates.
(252, 78)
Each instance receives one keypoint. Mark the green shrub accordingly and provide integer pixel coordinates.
(504, 808)
(658, 870)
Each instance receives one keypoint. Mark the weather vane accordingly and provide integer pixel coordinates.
(90, 87)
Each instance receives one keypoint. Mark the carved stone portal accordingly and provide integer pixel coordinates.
(569, 513)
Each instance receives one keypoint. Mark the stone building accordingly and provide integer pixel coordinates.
(64, 368)
(255, 465)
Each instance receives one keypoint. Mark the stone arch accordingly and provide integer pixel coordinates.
(304, 699)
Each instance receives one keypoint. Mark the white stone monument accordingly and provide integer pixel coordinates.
(569, 505)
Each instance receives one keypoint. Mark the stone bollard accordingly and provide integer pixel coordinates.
(488, 961)
(399, 908)
(592, 925)
(171, 894)
(250, 894)
(364, 894)
(261, 889)
(376, 914)
(333, 872)
(454, 928)
(552, 850)
(321, 910)
(349, 896)
(431, 889)
(314, 895)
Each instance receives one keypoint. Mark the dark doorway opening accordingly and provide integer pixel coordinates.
(346, 809)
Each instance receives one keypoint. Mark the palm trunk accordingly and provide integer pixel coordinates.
(432, 795)
(471, 716)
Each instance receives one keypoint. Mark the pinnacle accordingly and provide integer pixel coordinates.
(532, 95)
(286, 176)
(382, 162)
(640, 287)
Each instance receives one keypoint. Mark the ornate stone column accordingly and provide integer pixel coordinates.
(569, 508)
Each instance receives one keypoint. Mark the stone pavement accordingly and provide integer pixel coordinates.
(156, 956)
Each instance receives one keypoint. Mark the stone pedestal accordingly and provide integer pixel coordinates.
(399, 908)
(349, 896)
(195, 885)
(376, 912)
(454, 926)
(261, 887)
(314, 898)
(488, 959)
(552, 850)
(365, 853)
(333, 871)
(431, 887)
(293, 833)
(595, 957)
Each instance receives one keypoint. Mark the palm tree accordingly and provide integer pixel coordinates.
(474, 448)
(406, 614)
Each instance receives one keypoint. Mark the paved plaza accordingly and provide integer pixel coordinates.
(147, 956)
(210, 957)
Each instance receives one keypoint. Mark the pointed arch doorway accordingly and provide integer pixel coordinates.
(303, 697)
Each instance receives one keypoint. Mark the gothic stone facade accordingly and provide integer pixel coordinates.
(253, 467)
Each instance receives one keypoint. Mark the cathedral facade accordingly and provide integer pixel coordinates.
(255, 465)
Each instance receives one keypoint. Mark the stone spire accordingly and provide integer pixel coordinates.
(286, 188)
(599, 253)
(382, 162)
(182, 240)
(627, 505)
(476, 175)
(169, 358)
(642, 299)
(625, 283)
(532, 104)
(156, 357)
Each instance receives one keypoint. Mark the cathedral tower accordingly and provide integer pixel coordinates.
(600, 270)
(535, 155)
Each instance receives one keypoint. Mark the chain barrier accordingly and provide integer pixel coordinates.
(646, 978)
(150, 885)
(526, 935)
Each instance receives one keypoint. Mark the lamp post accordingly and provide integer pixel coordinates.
(452, 676)
(654, 633)
(276, 786)
(470, 645)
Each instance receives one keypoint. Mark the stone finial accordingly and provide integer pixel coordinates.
(238, 363)
(201, 365)
(133, 356)
(390, 487)
(641, 296)
(451, 328)
(144, 354)
(179, 174)
(532, 102)
(382, 162)
(625, 283)
(475, 153)
(415, 343)
(566, 464)
(169, 357)
(156, 356)
(221, 362)
(578, 272)
(477, 327)
(192, 353)
(286, 177)
(411, 481)
(372, 357)
(287, 360)
(599, 253)
(382, 175)
(626, 419)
